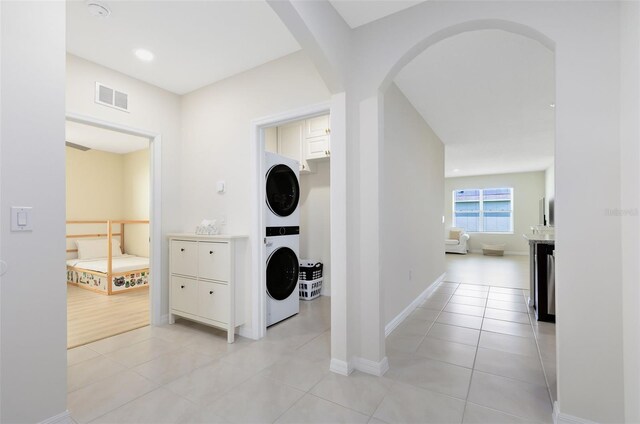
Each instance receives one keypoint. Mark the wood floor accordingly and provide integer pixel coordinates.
(93, 316)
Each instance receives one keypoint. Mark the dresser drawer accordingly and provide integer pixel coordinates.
(184, 257)
(213, 261)
(184, 294)
(213, 301)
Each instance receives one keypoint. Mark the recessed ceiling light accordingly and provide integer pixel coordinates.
(456, 170)
(143, 54)
(552, 105)
(98, 10)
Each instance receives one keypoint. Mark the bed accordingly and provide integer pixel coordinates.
(98, 260)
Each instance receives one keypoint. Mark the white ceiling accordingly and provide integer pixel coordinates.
(195, 43)
(487, 95)
(360, 12)
(105, 140)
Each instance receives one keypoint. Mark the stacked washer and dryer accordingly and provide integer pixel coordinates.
(282, 218)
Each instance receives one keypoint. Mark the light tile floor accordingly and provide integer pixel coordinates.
(454, 360)
(449, 363)
(504, 271)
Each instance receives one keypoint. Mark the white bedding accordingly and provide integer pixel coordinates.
(119, 264)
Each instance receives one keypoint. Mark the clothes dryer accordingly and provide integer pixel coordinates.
(282, 191)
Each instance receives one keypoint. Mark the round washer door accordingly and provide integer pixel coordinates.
(282, 273)
(283, 190)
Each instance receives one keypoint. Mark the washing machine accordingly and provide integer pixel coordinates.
(282, 272)
(282, 192)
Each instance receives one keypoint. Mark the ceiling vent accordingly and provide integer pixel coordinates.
(77, 146)
(98, 10)
(110, 97)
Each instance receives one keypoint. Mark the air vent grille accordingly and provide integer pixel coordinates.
(121, 100)
(110, 97)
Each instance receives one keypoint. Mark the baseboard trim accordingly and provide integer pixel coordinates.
(247, 332)
(561, 418)
(395, 322)
(371, 367)
(341, 367)
(62, 418)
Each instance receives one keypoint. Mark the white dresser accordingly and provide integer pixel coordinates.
(204, 280)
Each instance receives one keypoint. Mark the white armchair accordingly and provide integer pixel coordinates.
(453, 244)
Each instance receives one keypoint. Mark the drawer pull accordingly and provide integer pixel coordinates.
(181, 287)
(211, 252)
(211, 292)
(182, 249)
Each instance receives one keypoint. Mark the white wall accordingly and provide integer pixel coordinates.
(32, 306)
(103, 185)
(94, 184)
(216, 122)
(549, 188)
(135, 201)
(315, 226)
(629, 202)
(411, 204)
(528, 189)
(151, 109)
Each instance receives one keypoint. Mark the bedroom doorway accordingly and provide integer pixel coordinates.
(111, 194)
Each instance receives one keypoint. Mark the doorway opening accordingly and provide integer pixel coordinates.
(301, 138)
(112, 229)
(489, 97)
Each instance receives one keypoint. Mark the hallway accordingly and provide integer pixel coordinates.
(468, 354)
(503, 271)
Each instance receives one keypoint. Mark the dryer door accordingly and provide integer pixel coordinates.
(282, 273)
(283, 190)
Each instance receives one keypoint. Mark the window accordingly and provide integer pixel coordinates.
(488, 210)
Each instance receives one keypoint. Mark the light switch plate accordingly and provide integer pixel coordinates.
(220, 186)
(21, 219)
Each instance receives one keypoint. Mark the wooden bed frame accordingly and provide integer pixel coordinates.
(140, 277)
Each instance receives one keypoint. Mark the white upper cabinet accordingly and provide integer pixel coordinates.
(290, 143)
(316, 127)
(304, 141)
(317, 138)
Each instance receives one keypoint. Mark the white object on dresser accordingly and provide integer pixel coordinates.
(203, 285)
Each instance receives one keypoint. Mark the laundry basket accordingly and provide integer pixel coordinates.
(310, 279)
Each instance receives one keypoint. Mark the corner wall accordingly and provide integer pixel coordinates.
(630, 202)
(33, 322)
(411, 205)
(216, 122)
(528, 188)
(315, 225)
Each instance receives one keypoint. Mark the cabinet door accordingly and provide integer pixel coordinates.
(184, 294)
(213, 301)
(317, 126)
(213, 261)
(184, 257)
(318, 147)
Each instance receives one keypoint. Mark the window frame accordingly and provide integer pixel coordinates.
(482, 210)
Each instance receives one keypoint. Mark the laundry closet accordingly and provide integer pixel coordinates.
(308, 141)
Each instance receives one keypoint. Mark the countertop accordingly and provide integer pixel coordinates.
(540, 238)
